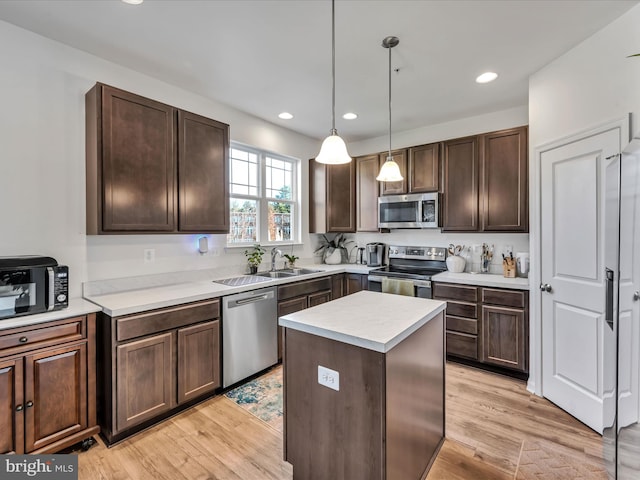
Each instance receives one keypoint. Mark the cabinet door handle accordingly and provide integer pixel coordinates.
(29, 404)
(23, 340)
(19, 408)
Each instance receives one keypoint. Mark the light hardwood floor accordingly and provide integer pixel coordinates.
(495, 430)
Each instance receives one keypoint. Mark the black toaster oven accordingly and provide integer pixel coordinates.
(32, 284)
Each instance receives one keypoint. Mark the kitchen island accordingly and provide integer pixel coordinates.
(364, 387)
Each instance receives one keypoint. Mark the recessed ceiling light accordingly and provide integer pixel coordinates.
(350, 116)
(487, 77)
(133, 2)
(285, 116)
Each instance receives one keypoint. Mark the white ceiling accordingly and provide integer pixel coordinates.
(268, 56)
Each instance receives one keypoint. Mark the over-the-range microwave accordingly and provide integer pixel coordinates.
(415, 210)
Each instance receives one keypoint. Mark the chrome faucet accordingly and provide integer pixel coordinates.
(274, 251)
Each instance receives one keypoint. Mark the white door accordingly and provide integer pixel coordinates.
(629, 319)
(574, 331)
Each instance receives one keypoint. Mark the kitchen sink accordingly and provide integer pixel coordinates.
(287, 272)
(276, 274)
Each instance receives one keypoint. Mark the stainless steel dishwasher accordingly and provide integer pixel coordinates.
(249, 334)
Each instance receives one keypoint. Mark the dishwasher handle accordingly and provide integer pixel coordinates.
(249, 300)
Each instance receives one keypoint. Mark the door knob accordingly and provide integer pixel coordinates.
(545, 287)
(636, 296)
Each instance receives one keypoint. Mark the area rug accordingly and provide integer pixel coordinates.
(541, 461)
(262, 397)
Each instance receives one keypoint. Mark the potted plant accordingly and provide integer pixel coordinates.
(334, 251)
(291, 259)
(254, 257)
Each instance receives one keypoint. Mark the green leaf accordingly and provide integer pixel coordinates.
(634, 55)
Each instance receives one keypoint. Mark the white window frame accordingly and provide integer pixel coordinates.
(263, 200)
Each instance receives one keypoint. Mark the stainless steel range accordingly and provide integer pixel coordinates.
(415, 264)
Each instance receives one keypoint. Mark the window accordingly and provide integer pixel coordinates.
(264, 200)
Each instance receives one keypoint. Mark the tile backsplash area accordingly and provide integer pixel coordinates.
(502, 243)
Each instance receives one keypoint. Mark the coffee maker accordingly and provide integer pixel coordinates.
(375, 253)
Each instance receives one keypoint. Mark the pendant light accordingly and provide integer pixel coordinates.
(390, 171)
(333, 150)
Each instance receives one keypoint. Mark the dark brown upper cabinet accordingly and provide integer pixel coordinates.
(152, 168)
(367, 169)
(460, 170)
(203, 176)
(395, 188)
(424, 164)
(332, 197)
(504, 181)
(485, 182)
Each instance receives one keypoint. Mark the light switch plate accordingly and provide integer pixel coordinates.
(329, 378)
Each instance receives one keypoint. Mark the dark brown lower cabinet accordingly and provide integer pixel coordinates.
(486, 326)
(144, 379)
(293, 297)
(165, 360)
(198, 360)
(356, 282)
(47, 395)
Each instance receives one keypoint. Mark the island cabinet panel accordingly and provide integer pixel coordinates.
(367, 189)
(395, 188)
(48, 394)
(332, 197)
(153, 364)
(373, 427)
(152, 168)
(424, 168)
(354, 415)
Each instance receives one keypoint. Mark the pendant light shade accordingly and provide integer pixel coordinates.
(333, 150)
(390, 171)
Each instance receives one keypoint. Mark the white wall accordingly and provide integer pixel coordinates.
(42, 182)
(590, 85)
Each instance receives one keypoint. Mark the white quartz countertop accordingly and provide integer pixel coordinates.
(77, 307)
(372, 320)
(140, 298)
(482, 280)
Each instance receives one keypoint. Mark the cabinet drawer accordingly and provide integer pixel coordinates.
(505, 298)
(464, 325)
(308, 287)
(17, 340)
(462, 345)
(318, 298)
(447, 291)
(166, 319)
(462, 309)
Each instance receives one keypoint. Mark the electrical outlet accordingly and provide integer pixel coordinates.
(149, 255)
(329, 378)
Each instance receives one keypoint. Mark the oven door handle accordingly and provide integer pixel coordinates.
(416, 283)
